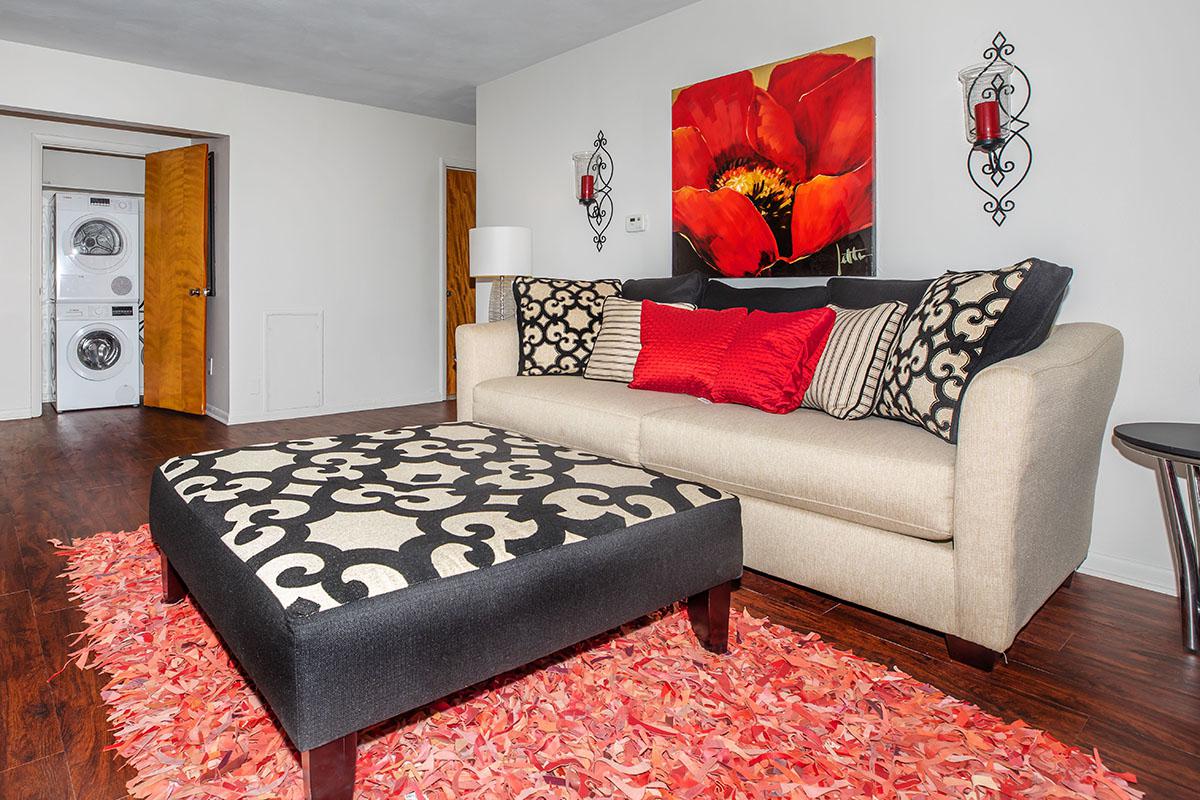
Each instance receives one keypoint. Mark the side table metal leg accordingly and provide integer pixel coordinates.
(1183, 545)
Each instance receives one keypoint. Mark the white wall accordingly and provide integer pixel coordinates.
(1113, 190)
(17, 210)
(332, 206)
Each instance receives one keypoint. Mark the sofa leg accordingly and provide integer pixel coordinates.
(172, 585)
(1070, 579)
(329, 769)
(971, 654)
(709, 613)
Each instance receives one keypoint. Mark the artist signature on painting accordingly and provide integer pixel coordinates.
(850, 256)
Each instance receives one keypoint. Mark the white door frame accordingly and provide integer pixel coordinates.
(443, 165)
(40, 141)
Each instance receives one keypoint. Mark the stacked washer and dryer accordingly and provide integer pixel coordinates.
(98, 289)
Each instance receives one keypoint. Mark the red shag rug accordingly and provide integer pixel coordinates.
(645, 713)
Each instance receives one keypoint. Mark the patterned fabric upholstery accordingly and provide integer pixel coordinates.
(925, 377)
(358, 577)
(557, 322)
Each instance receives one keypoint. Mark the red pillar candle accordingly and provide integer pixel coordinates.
(987, 121)
(587, 188)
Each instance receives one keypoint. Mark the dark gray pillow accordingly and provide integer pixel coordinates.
(1030, 315)
(679, 289)
(720, 295)
(871, 292)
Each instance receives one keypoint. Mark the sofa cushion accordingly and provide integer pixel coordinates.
(596, 416)
(872, 471)
(720, 295)
(557, 322)
(682, 350)
(619, 341)
(870, 292)
(686, 288)
(939, 344)
(770, 362)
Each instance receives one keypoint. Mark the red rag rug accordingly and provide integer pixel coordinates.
(641, 714)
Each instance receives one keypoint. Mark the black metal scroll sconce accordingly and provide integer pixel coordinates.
(995, 97)
(593, 187)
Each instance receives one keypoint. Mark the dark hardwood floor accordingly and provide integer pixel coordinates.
(1100, 666)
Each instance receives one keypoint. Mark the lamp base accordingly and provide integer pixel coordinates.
(501, 303)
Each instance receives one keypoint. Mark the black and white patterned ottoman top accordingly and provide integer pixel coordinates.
(324, 522)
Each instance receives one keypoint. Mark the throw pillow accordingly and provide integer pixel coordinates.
(870, 292)
(846, 382)
(764, 298)
(926, 374)
(619, 341)
(770, 362)
(557, 322)
(680, 289)
(682, 349)
(1029, 317)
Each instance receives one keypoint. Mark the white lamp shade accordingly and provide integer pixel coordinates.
(501, 250)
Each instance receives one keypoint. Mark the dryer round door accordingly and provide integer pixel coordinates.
(99, 352)
(96, 244)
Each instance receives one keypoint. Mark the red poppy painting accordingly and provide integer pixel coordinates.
(773, 168)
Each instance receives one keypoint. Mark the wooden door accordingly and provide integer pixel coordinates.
(176, 278)
(460, 288)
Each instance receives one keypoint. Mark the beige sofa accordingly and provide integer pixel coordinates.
(967, 539)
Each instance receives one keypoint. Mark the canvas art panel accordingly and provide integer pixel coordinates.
(772, 170)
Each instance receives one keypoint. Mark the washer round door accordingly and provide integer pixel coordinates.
(99, 351)
(96, 244)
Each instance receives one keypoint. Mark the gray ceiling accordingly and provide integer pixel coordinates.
(423, 56)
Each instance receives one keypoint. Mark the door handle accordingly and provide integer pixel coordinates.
(205, 292)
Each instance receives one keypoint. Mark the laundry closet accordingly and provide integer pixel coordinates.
(94, 283)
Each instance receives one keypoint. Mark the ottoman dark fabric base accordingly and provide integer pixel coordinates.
(344, 654)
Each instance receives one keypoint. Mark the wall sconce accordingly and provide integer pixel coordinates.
(995, 96)
(593, 184)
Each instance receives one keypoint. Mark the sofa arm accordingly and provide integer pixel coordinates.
(484, 351)
(1029, 439)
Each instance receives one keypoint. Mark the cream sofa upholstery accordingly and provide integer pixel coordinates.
(967, 539)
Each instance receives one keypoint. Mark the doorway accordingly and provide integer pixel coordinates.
(100, 282)
(459, 192)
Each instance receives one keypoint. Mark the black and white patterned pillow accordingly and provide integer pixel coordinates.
(847, 379)
(940, 344)
(557, 322)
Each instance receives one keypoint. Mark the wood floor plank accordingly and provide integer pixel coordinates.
(1099, 666)
(30, 729)
(44, 779)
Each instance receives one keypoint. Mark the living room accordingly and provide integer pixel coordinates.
(820, 546)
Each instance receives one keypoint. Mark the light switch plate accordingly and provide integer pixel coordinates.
(635, 223)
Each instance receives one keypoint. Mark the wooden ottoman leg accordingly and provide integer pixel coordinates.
(172, 585)
(329, 769)
(709, 613)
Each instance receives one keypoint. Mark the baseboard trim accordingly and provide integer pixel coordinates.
(325, 411)
(219, 414)
(16, 413)
(1134, 573)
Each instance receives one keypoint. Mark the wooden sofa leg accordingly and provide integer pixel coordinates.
(329, 769)
(1070, 579)
(709, 613)
(971, 654)
(172, 585)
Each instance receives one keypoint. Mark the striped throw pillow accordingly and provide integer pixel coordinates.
(847, 381)
(619, 341)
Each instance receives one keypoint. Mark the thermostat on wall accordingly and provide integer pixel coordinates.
(635, 223)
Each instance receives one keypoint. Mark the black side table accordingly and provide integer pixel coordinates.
(1175, 448)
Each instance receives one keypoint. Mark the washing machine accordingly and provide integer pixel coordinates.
(97, 247)
(97, 355)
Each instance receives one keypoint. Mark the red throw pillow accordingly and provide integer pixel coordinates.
(682, 348)
(771, 361)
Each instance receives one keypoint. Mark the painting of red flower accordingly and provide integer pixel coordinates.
(772, 168)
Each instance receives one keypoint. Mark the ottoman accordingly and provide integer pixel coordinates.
(358, 577)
